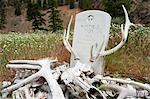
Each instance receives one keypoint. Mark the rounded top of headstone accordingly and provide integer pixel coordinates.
(94, 11)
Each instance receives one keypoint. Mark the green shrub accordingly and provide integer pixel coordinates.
(17, 7)
(138, 39)
(118, 20)
(2, 14)
(54, 19)
(26, 46)
(71, 4)
(132, 60)
(114, 7)
(85, 4)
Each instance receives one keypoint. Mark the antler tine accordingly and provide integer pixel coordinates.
(124, 35)
(23, 66)
(66, 42)
(127, 24)
(25, 81)
(94, 57)
(69, 25)
(131, 82)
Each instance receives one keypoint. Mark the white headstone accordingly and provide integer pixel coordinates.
(91, 29)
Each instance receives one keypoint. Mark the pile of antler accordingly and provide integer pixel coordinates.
(41, 79)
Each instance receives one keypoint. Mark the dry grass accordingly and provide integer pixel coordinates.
(130, 61)
(133, 59)
(60, 52)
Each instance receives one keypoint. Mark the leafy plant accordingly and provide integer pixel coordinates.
(114, 7)
(71, 4)
(17, 7)
(2, 14)
(132, 60)
(55, 22)
(26, 46)
(35, 15)
(85, 4)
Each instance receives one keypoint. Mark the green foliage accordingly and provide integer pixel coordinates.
(118, 20)
(55, 22)
(140, 41)
(71, 3)
(34, 15)
(29, 10)
(85, 4)
(2, 14)
(38, 3)
(27, 46)
(53, 3)
(132, 60)
(2, 18)
(17, 7)
(45, 5)
(67, 2)
(62, 2)
(114, 7)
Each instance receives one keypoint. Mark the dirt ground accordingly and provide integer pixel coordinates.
(20, 24)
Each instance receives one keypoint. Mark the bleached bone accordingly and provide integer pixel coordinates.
(25, 93)
(126, 91)
(124, 38)
(97, 59)
(22, 93)
(72, 75)
(66, 42)
(124, 35)
(17, 95)
(45, 72)
(131, 82)
(85, 87)
(26, 64)
(23, 66)
(4, 85)
(123, 91)
(131, 88)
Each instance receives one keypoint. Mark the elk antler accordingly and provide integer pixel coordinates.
(66, 42)
(26, 64)
(45, 72)
(131, 82)
(124, 35)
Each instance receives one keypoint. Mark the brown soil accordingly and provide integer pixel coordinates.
(20, 24)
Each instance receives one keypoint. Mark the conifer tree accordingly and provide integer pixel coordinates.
(45, 5)
(34, 14)
(71, 3)
(17, 7)
(29, 10)
(114, 7)
(85, 4)
(2, 14)
(55, 22)
(2, 18)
